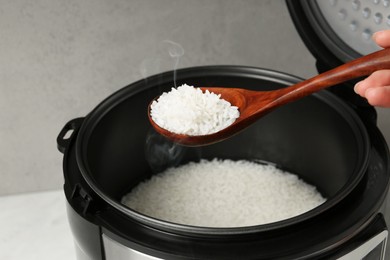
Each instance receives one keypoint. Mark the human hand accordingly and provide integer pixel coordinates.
(376, 87)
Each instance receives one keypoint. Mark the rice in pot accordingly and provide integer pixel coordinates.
(223, 193)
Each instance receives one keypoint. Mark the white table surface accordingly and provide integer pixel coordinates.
(34, 226)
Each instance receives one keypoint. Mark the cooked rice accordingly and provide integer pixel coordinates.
(223, 193)
(188, 110)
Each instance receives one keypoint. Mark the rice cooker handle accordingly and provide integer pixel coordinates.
(68, 131)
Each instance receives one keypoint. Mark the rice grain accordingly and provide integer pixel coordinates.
(188, 110)
(223, 193)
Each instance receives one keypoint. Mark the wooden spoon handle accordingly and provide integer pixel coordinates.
(362, 66)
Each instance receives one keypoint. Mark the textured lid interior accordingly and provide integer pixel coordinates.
(342, 27)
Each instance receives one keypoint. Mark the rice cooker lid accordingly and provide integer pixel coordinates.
(337, 31)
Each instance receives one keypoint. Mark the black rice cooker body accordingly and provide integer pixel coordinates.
(320, 138)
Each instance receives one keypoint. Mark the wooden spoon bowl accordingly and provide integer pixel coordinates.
(254, 104)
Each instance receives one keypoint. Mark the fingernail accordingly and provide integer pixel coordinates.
(375, 34)
(356, 87)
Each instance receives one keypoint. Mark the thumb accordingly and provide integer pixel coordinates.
(382, 38)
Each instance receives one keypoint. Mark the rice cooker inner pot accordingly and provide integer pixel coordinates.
(319, 138)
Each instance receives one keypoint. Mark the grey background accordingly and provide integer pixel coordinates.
(60, 58)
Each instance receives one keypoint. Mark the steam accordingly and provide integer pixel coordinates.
(167, 52)
(161, 153)
(175, 52)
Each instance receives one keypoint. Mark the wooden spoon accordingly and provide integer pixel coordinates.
(254, 104)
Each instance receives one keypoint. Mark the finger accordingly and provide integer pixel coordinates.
(376, 79)
(360, 88)
(378, 96)
(382, 38)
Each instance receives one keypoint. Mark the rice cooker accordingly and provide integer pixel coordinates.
(329, 139)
